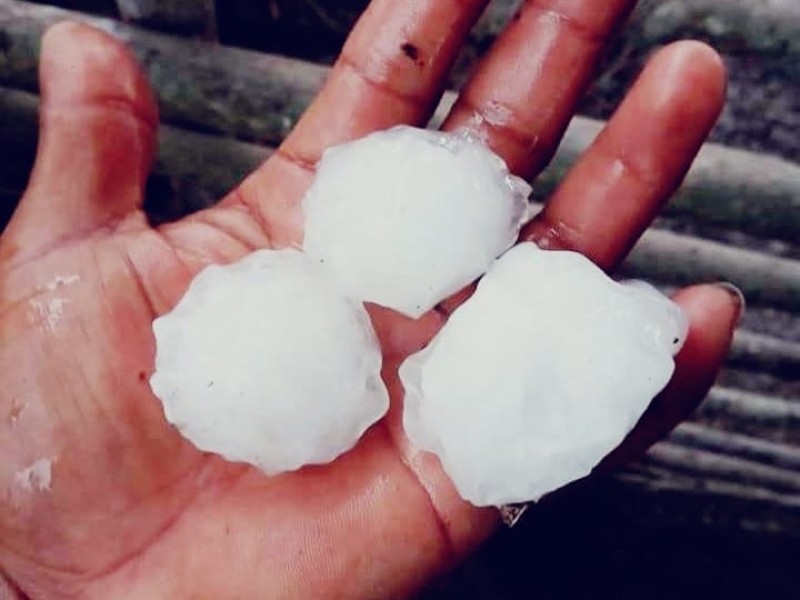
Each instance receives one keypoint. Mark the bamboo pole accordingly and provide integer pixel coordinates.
(755, 26)
(693, 435)
(183, 16)
(708, 502)
(682, 260)
(758, 352)
(751, 413)
(704, 465)
(767, 26)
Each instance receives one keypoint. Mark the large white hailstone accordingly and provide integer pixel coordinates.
(406, 217)
(264, 362)
(539, 375)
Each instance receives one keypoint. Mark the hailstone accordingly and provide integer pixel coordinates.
(406, 217)
(539, 375)
(264, 362)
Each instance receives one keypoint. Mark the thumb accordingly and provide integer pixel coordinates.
(98, 124)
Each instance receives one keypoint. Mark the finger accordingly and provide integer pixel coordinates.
(391, 71)
(97, 134)
(525, 91)
(616, 189)
(618, 186)
(713, 312)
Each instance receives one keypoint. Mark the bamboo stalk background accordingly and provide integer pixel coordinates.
(258, 98)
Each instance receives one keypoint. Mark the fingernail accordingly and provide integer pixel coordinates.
(736, 295)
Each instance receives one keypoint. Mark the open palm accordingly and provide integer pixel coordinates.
(128, 509)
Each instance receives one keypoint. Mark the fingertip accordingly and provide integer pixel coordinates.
(736, 296)
(618, 186)
(713, 310)
(694, 54)
(81, 64)
(689, 66)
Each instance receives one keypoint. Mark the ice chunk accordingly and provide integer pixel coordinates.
(539, 375)
(406, 217)
(262, 361)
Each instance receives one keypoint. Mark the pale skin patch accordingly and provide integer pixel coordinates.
(37, 476)
(15, 411)
(60, 281)
(51, 311)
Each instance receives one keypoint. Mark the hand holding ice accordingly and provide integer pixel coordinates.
(406, 217)
(273, 360)
(262, 361)
(539, 375)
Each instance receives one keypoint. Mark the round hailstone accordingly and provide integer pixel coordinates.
(539, 375)
(406, 217)
(262, 361)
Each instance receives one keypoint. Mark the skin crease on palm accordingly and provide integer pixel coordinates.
(134, 511)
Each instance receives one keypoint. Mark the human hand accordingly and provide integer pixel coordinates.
(131, 509)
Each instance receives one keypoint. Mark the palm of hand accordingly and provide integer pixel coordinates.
(132, 509)
(128, 493)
